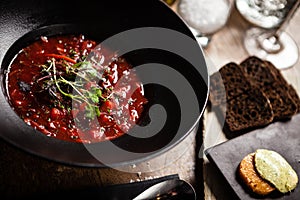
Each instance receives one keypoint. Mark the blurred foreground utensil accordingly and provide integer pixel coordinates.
(169, 189)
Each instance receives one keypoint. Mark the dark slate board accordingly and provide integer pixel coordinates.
(282, 137)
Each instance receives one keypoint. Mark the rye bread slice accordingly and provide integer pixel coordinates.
(291, 90)
(259, 73)
(243, 106)
(282, 104)
(228, 83)
(234, 80)
(248, 110)
(294, 95)
(276, 73)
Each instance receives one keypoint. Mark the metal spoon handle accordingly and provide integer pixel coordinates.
(169, 189)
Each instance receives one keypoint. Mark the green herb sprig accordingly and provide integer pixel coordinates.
(70, 83)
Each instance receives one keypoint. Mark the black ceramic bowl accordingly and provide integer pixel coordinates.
(22, 22)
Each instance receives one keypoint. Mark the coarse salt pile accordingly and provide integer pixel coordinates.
(206, 16)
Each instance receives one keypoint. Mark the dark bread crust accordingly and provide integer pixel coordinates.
(272, 83)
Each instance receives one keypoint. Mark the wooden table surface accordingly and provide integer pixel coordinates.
(23, 174)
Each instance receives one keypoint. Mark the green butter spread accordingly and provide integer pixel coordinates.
(274, 168)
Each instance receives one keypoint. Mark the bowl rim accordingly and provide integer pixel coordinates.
(89, 161)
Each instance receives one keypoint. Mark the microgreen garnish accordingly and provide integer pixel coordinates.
(69, 79)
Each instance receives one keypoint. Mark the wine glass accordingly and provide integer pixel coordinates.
(268, 39)
(204, 17)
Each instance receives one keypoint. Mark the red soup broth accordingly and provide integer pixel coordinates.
(55, 89)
